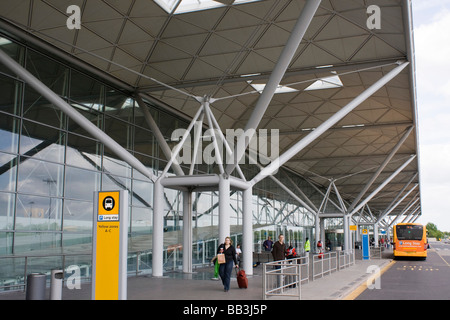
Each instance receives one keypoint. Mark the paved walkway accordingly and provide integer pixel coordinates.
(199, 286)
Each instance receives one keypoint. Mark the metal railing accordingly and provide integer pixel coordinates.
(376, 252)
(346, 258)
(285, 277)
(324, 263)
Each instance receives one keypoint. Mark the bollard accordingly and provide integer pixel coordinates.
(56, 284)
(36, 283)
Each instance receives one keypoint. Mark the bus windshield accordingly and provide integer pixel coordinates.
(409, 232)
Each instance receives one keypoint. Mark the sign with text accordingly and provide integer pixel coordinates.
(365, 245)
(110, 245)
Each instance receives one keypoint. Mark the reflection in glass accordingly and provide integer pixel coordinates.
(142, 193)
(78, 216)
(14, 50)
(6, 246)
(86, 91)
(81, 184)
(42, 142)
(84, 153)
(40, 177)
(41, 243)
(119, 105)
(141, 220)
(8, 170)
(37, 108)
(10, 95)
(7, 201)
(38, 213)
(9, 133)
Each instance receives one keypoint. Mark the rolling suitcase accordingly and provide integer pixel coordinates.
(241, 279)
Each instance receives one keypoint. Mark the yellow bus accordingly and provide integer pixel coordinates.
(410, 240)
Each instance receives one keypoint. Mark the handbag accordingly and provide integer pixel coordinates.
(220, 258)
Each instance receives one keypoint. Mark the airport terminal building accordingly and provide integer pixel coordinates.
(244, 118)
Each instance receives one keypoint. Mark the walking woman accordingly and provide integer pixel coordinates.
(226, 268)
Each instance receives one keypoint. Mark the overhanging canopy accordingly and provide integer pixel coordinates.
(232, 49)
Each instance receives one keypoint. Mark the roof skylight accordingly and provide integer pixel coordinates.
(326, 83)
(185, 6)
(279, 89)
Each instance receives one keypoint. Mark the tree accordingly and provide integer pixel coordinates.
(433, 231)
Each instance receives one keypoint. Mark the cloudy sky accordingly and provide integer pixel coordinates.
(432, 43)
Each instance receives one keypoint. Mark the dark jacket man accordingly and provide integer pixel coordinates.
(279, 249)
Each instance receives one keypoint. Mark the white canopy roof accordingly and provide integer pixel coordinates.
(231, 49)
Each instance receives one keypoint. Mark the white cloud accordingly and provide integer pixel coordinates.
(432, 22)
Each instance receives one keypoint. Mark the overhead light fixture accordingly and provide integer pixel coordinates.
(250, 75)
(325, 66)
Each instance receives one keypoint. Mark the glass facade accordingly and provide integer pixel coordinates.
(50, 168)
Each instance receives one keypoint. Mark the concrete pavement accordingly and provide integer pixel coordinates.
(199, 286)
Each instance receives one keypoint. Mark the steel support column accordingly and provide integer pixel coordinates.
(187, 231)
(224, 208)
(381, 168)
(158, 229)
(277, 74)
(247, 231)
(380, 187)
(296, 148)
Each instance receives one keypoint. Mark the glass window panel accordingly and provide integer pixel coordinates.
(81, 184)
(45, 242)
(7, 213)
(12, 49)
(9, 133)
(142, 194)
(145, 143)
(168, 123)
(119, 105)
(146, 161)
(40, 177)
(10, 95)
(50, 72)
(112, 165)
(120, 131)
(78, 216)
(83, 152)
(8, 169)
(42, 142)
(142, 220)
(112, 183)
(93, 116)
(38, 213)
(37, 108)
(86, 91)
(6, 245)
(78, 242)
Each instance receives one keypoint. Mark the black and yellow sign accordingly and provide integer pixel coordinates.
(110, 233)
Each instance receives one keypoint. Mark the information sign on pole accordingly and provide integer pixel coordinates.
(365, 245)
(110, 245)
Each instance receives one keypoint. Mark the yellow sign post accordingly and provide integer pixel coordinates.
(110, 245)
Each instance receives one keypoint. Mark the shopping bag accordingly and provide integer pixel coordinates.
(220, 258)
